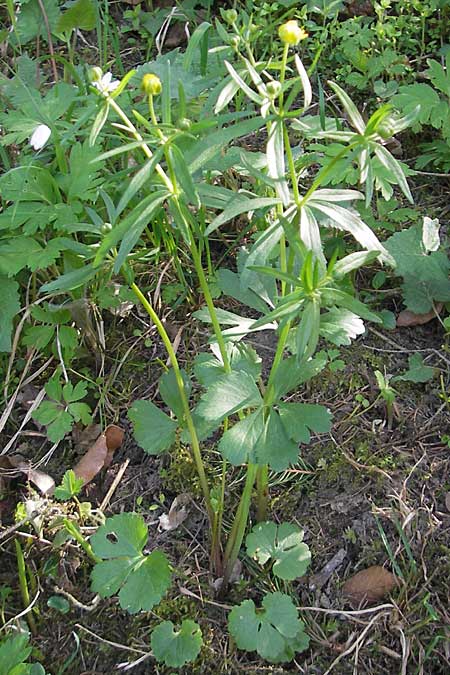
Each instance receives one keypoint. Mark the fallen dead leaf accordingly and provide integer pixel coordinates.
(369, 585)
(44, 483)
(407, 318)
(99, 456)
(177, 513)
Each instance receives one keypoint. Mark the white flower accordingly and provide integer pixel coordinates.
(40, 136)
(106, 84)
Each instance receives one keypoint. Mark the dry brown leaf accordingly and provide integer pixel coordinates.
(100, 455)
(177, 513)
(44, 483)
(369, 585)
(407, 318)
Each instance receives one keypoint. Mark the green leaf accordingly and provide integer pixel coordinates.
(9, 306)
(281, 543)
(388, 161)
(140, 580)
(291, 374)
(275, 160)
(340, 326)
(99, 123)
(228, 395)
(176, 647)
(238, 443)
(59, 603)
(203, 151)
(352, 262)
(183, 176)
(70, 486)
(170, 394)
(70, 281)
(14, 651)
(300, 418)
(130, 227)
(57, 420)
(341, 299)
(269, 630)
(274, 447)
(153, 429)
(80, 15)
(350, 108)
(139, 180)
(417, 371)
(74, 393)
(425, 274)
(243, 358)
(240, 204)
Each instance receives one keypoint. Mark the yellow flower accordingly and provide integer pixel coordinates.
(151, 84)
(290, 33)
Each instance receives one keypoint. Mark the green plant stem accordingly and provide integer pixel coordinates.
(236, 536)
(76, 534)
(22, 573)
(180, 384)
(144, 147)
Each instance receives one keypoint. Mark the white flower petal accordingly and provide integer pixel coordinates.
(40, 136)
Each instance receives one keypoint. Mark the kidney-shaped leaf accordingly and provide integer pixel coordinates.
(176, 647)
(270, 631)
(140, 580)
(283, 544)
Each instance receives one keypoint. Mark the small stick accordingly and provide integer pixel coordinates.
(87, 608)
(109, 642)
(114, 485)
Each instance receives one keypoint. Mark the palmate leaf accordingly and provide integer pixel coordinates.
(260, 441)
(176, 647)
(229, 394)
(417, 371)
(283, 544)
(275, 631)
(140, 580)
(153, 429)
(425, 275)
(299, 419)
(243, 358)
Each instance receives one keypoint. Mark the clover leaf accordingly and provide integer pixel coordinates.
(140, 580)
(176, 647)
(283, 544)
(274, 631)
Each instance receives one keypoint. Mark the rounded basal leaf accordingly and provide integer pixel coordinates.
(176, 647)
(146, 584)
(274, 631)
(140, 580)
(122, 535)
(284, 545)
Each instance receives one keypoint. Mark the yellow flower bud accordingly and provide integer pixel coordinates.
(290, 33)
(151, 84)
